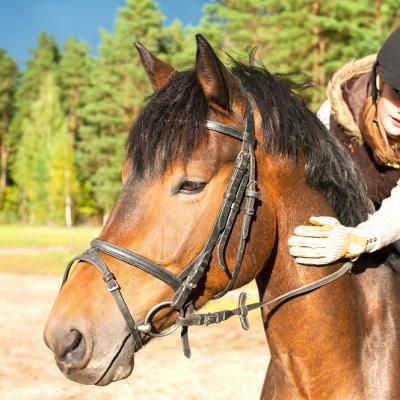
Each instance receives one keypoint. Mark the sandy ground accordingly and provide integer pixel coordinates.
(227, 362)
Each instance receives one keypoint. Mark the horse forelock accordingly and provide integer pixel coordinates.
(171, 125)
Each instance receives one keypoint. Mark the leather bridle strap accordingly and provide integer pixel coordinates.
(242, 310)
(251, 194)
(91, 256)
(243, 173)
(225, 129)
(138, 261)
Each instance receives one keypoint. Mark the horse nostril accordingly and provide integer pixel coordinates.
(74, 348)
(70, 346)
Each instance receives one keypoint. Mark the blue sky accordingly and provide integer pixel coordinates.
(22, 20)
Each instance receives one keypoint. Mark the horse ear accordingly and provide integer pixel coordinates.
(126, 170)
(217, 82)
(158, 71)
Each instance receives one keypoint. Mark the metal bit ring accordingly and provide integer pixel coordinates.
(150, 314)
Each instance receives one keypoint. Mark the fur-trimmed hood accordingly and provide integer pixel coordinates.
(339, 108)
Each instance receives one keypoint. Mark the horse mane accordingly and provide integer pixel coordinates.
(171, 125)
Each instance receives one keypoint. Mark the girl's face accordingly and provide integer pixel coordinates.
(388, 109)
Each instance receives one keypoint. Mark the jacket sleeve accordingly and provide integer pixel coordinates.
(324, 113)
(384, 225)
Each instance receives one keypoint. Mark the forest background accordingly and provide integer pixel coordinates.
(64, 118)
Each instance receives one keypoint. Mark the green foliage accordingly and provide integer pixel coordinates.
(309, 39)
(44, 59)
(10, 206)
(237, 26)
(44, 168)
(179, 46)
(62, 182)
(8, 81)
(70, 112)
(117, 88)
(74, 70)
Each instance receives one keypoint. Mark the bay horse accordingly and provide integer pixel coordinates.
(222, 164)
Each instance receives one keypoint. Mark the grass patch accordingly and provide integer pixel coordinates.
(71, 241)
(22, 235)
(46, 263)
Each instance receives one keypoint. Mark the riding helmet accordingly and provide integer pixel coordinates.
(388, 60)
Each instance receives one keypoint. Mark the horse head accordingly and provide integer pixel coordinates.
(174, 180)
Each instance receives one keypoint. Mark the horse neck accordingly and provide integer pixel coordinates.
(376, 289)
(340, 341)
(312, 335)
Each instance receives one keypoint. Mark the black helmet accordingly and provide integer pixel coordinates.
(388, 60)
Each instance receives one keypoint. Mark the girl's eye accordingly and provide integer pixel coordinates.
(191, 187)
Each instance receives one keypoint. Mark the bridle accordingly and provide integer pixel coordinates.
(242, 188)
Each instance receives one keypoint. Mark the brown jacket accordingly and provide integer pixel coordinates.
(347, 93)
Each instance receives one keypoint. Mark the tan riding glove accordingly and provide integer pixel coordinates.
(327, 241)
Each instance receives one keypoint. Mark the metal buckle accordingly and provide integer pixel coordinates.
(112, 285)
(111, 282)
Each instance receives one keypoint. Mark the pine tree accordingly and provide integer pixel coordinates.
(386, 17)
(44, 59)
(62, 185)
(44, 168)
(117, 90)
(237, 26)
(75, 70)
(74, 78)
(103, 131)
(317, 37)
(8, 81)
(308, 38)
(179, 46)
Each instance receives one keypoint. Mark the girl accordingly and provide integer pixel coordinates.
(363, 111)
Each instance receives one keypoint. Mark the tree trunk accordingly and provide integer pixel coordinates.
(67, 199)
(378, 25)
(4, 159)
(73, 123)
(3, 175)
(322, 72)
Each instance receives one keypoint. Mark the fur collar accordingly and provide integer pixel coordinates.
(339, 107)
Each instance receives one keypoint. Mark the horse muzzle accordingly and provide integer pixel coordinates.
(82, 361)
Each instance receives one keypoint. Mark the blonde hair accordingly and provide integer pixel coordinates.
(385, 150)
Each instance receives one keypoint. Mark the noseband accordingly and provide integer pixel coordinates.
(242, 188)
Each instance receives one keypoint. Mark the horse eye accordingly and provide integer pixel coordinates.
(191, 187)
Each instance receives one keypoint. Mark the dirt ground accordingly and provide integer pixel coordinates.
(227, 363)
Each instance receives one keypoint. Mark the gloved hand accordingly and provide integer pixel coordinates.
(326, 241)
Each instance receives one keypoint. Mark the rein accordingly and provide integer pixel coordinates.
(242, 188)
